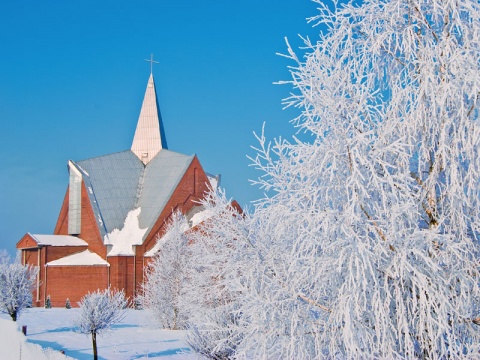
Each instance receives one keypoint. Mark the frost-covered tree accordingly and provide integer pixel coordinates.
(16, 286)
(216, 254)
(367, 243)
(165, 276)
(98, 312)
(368, 246)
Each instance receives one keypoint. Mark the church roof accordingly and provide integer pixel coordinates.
(119, 183)
(83, 258)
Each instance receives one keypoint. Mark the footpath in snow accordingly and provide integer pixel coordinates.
(133, 338)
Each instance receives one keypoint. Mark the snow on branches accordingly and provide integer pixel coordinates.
(375, 221)
(165, 276)
(98, 312)
(366, 242)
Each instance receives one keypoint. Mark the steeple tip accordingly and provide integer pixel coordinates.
(149, 138)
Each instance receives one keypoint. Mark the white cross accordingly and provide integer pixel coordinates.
(151, 61)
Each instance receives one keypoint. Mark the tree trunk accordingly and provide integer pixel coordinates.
(13, 315)
(94, 344)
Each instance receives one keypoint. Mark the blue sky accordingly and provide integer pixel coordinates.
(73, 76)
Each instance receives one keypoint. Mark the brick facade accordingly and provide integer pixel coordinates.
(124, 272)
(73, 282)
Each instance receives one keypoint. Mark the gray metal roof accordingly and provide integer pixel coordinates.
(119, 183)
(162, 175)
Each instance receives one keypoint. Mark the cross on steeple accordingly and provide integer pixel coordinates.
(151, 61)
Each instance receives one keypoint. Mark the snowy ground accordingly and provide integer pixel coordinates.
(133, 338)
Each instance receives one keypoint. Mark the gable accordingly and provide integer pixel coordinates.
(36, 240)
(111, 182)
(27, 242)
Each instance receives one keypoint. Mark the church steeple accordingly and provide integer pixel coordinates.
(149, 136)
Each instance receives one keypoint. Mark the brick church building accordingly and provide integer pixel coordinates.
(116, 207)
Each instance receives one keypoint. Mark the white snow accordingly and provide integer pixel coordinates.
(214, 180)
(58, 240)
(155, 248)
(14, 345)
(200, 217)
(53, 328)
(194, 221)
(79, 259)
(122, 241)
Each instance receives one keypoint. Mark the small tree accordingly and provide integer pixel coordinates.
(16, 286)
(165, 276)
(219, 255)
(48, 303)
(98, 312)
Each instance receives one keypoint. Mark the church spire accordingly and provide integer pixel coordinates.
(149, 136)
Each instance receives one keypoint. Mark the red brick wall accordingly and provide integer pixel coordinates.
(73, 282)
(58, 252)
(122, 274)
(30, 257)
(89, 229)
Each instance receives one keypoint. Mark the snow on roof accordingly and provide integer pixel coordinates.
(118, 183)
(84, 258)
(214, 180)
(199, 217)
(58, 240)
(122, 241)
(155, 248)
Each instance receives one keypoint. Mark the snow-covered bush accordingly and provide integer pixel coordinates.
(98, 312)
(16, 286)
(48, 303)
(165, 276)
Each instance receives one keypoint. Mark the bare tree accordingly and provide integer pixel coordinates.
(98, 312)
(16, 286)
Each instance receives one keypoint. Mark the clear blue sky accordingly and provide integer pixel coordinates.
(73, 75)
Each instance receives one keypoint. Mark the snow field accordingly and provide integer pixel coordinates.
(132, 338)
(14, 345)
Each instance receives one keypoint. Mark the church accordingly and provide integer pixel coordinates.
(115, 209)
